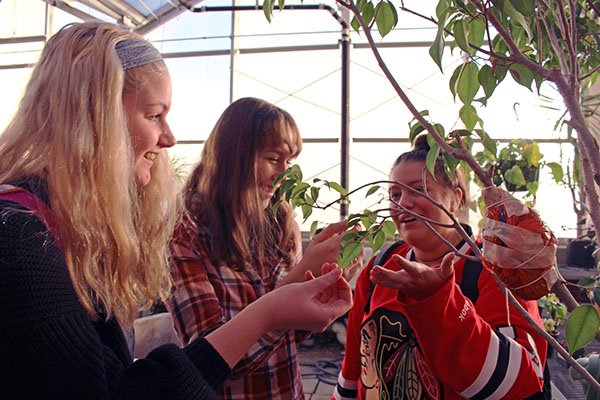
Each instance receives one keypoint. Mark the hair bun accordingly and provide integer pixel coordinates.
(421, 143)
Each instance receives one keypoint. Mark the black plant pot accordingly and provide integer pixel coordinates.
(531, 174)
(580, 253)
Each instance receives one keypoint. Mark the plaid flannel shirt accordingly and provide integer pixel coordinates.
(207, 296)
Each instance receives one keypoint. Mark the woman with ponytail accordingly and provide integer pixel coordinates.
(427, 324)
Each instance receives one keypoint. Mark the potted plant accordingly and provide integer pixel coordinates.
(581, 251)
(516, 166)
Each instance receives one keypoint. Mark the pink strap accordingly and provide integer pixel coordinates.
(28, 200)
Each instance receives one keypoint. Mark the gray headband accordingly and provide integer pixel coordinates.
(136, 52)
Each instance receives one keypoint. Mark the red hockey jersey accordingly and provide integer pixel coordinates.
(443, 347)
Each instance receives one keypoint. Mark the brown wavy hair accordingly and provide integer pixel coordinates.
(222, 193)
(71, 130)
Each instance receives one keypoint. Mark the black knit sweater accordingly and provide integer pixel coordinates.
(50, 349)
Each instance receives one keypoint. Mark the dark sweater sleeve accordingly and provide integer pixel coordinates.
(50, 349)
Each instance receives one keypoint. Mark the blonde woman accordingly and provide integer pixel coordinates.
(86, 210)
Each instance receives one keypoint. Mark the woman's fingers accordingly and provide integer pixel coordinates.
(414, 279)
(330, 230)
(447, 266)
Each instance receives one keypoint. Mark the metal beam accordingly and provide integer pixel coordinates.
(101, 8)
(125, 9)
(23, 39)
(166, 13)
(71, 10)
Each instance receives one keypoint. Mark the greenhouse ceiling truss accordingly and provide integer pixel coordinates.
(142, 16)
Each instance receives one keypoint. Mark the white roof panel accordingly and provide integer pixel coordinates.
(141, 15)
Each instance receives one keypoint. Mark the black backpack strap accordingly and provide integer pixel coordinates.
(380, 259)
(382, 255)
(470, 277)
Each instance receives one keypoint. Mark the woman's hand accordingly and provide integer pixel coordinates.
(325, 248)
(312, 305)
(355, 266)
(415, 280)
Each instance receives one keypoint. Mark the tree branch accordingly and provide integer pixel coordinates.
(461, 154)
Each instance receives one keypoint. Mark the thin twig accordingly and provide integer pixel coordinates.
(592, 72)
(591, 3)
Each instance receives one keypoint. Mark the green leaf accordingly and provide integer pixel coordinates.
(476, 32)
(372, 190)
(349, 237)
(460, 35)
(468, 83)
(441, 8)
(281, 4)
(300, 188)
(367, 12)
(499, 4)
(368, 219)
(386, 19)
(587, 282)
(314, 191)
(354, 219)
(499, 72)
(531, 154)
(415, 130)
(487, 80)
(296, 172)
(525, 7)
(557, 171)
(452, 163)
(532, 187)
(468, 115)
(378, 241)
(518, 18)
(454, 80)
(432, 155)
(488, 143)
(280, 178)
(582, 327)
(337, 187)
(306, 211)
(313, 228)
(439, 128)
(389, 228)
(436, 51)
(521, 75)
(276, 207)
(355, 24)
(286, 188)
(515, 176)
(348, 253)
(268, 9)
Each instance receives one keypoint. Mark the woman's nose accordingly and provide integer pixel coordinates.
(280, 168)
(406, 200)
(166, 138)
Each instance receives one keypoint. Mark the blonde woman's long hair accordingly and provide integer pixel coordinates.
(71, 130)
(222, 191)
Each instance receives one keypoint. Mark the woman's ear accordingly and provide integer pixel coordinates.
(457, 196)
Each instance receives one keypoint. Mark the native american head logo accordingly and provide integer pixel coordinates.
(392, 365)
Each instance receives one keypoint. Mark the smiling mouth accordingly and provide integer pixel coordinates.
(408, 220)
(150, 156)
